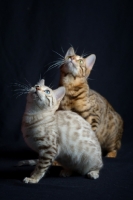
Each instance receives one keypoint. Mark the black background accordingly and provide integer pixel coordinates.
(30, 30)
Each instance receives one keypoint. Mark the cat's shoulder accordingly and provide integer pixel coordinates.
(66, 113)
(96, 94)
(71, 116)
(99, 98)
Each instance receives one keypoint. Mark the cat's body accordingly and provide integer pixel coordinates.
(106, 123)
(61, 135)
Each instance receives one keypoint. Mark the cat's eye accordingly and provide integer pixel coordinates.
(47, 91)
(81, 61)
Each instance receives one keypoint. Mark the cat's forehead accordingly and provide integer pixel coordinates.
(44, 87)
(78, 57)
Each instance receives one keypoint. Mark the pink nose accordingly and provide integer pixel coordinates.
(72, 57)
(38, 88)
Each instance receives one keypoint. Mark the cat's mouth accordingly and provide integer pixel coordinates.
(70, 65)
(37, 95)
(70, 62)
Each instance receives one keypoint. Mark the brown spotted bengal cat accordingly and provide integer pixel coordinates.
(104, 120)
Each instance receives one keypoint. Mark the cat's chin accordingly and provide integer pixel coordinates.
(70, 65)
(36, 96)
(68, 68)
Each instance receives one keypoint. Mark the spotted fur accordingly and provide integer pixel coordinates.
(104, 120)
(60, 135)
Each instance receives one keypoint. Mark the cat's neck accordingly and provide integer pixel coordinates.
(33, 114)
(72, 83)
(33, 109)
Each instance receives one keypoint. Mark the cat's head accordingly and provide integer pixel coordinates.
(77, 65)
(41, 97)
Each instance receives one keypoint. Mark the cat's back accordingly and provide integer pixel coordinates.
(104, 106)
(73, 126)
(71, 119)
(99, 99)
(78, 143)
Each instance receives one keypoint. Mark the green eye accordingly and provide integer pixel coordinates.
(47, 91)
(81, 61)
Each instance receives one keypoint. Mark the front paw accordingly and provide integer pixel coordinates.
(93, 174)
(30, 180)
(112, 154)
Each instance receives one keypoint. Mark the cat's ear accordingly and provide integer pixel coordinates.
(90, 60)
(41, 82)
(70, 52)
(59, 93)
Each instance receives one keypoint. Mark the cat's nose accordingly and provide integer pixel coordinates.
(72, 57)
(37, 87)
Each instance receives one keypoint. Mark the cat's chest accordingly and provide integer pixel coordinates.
(32, 135)
(66, 103)
(72, 102)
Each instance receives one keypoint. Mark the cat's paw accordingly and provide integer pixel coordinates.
(21, 163)
(55, 163)
(65, 173)
(30, 180)
(93, 174)
(27, 162)
(112, 154)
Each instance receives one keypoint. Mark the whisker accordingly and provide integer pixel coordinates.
(28, 83)
(51, 62)
(20, 85)
(76, 50)
(39, 78)
(58, 53)
(82, 53)
(85, 54)
(56, 62)
(62, 50)
(59, 60)
(19, 95)
(51, 86)
(48, 68)
(52, 66)
(45, 73)
(16, 93)
(71, 45)
(59, 63)
(90, 79)
(20, 89)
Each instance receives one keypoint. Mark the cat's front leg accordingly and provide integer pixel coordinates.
(94, 121)
(42, 166)
(27, 162)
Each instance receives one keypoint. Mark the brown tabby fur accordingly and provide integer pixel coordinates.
(105, 122)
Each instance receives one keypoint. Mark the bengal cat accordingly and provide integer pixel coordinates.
(104, 120)
(61, 135)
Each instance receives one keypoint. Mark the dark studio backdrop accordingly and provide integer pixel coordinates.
(30, 30)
